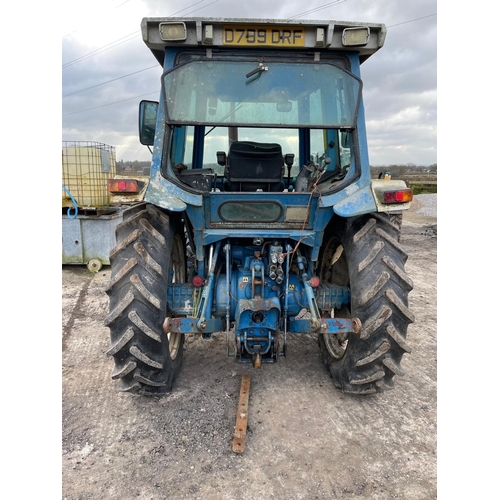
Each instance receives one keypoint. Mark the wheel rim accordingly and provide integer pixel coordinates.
(335, 273)
(178, 276)
(337, 344)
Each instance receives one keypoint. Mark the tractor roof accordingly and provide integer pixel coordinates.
(161, 32)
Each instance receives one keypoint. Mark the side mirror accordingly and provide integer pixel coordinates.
(148, 111)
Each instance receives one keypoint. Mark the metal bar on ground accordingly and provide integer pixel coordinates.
(240, 431)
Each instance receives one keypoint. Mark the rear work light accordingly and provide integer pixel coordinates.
(352, 37)
(398, 196)
(173, 32)
(123, 186)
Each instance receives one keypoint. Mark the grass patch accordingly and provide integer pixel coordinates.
(422, 188)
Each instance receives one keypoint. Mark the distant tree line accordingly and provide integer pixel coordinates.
(137, 167)
(131, 167)
(402, 170)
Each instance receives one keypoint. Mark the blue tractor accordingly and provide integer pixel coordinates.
(261, 218)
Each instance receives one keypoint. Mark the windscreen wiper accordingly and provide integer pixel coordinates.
(257, 71)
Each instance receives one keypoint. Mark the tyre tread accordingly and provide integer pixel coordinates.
(379, 298)
(137, 293)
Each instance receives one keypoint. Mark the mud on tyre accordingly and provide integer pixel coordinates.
(364, 254)
(150, 254)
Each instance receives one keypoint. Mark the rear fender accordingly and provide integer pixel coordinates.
(359, 201)
(164, 194)
(369, 199)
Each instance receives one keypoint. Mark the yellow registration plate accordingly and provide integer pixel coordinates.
(264, 36)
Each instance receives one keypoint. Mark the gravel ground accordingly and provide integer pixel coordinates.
(427, 204)
(305, 440)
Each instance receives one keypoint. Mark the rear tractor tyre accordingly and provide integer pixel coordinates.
(364, 254)
(150, 254)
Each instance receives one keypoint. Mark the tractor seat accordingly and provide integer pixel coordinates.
(254, 165)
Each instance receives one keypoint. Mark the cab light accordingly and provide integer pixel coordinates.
(173, 32)
(123, 186)
(352, 37)
(398, 196)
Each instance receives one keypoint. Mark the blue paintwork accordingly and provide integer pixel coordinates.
(328, 326)
(359, 202)
(190, 325)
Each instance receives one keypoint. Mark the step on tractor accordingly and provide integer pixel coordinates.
(260, 220)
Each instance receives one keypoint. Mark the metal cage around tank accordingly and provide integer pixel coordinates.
(86, 168)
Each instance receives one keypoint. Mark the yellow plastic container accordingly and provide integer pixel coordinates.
(86, 168)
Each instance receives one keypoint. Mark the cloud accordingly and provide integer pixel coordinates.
(400, 80)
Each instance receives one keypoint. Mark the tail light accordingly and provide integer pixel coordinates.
(398, 196)
(123, 186)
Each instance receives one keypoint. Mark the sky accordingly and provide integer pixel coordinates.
(107, 69)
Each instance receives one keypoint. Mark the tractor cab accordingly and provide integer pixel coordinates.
(251, 106)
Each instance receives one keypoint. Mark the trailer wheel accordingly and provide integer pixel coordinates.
(150, 254)
(364, 254)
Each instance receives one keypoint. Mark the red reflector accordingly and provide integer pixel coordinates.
(123, 186)
(399, 196)
(197, 281)
(314, 281)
